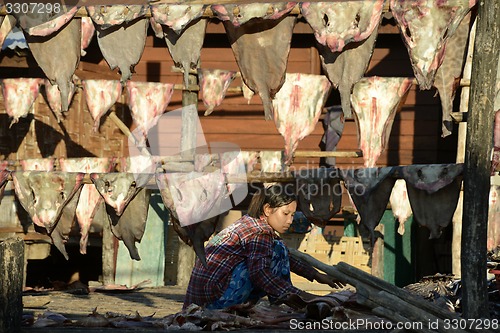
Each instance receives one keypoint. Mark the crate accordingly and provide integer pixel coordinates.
(330, 250)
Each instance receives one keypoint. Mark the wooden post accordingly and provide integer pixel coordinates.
(462, 135)
(11, 284)
(378, 253)
(108, 253)
(478, 148)
(186, 254)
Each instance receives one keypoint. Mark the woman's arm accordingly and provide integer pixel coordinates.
(259, 253)
(302, 268)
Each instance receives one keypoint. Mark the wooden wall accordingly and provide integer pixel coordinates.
(40, 135)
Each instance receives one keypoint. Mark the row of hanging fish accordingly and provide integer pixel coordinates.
(146, 100)
(54, 199)
(431, 194)
(298, 106)
(260, 36)
(299, 103)
(202, 196)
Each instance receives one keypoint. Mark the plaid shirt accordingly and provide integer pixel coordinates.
(248, 239)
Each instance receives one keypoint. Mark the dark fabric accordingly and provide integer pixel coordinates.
(333, 124)
(300, 224)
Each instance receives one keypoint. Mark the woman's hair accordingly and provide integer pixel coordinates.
(276, 195)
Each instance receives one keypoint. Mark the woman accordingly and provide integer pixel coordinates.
(248, 260)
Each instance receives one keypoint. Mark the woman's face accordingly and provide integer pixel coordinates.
(280, 218)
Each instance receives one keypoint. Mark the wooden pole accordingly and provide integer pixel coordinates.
(477, 165)
(378, 253)
(186, 254)
(11, 284)
(462, 135)
(108, 252)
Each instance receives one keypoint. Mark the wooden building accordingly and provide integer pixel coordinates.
(415, 136)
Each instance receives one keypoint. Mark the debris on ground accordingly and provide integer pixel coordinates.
(119, 287)
(330, 308)
(365, 299)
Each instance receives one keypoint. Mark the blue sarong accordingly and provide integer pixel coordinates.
(241, 289)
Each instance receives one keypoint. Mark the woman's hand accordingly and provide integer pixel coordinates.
(307, 296)
(296, 301)
(326, 279)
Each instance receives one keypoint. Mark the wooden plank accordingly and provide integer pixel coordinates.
(292, 66)
(377, 260)
(216, 27)
(90, 71)
(478, 159)
(214, 54)
(342, 270)
(327, 154)
(297, 54)
(422, 97)
(258, 125)
(394, 68)
(347, 142)
(77, 133)
(388, 29)
(407, 112)
(156, 54)
(405, 157)
(385, 53)
(13, 61)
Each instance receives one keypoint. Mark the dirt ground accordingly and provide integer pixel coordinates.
(158, 301)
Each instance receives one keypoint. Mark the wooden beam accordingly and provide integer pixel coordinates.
(477, 166)
(373, 291)
(90, 71)
(305, 153)
(178, 165)
(126, 131)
